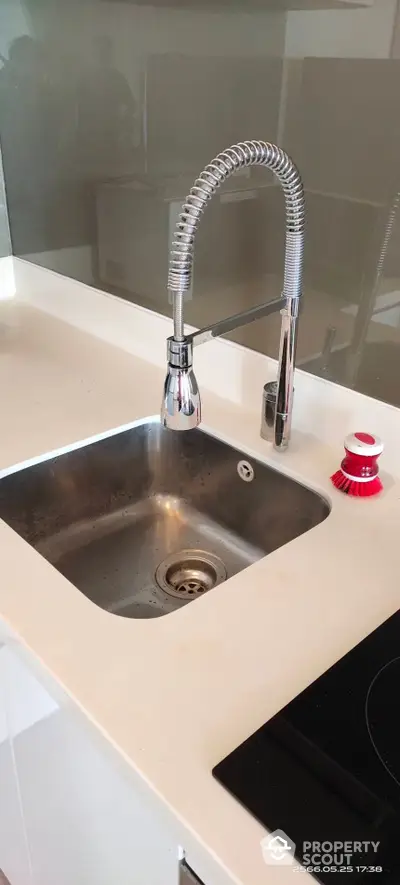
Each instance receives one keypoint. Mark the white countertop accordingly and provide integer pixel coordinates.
(176, 694)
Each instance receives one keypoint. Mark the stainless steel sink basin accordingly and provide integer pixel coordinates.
(147, 520)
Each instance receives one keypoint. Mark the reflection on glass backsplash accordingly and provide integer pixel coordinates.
(110, 108)
(5, 245)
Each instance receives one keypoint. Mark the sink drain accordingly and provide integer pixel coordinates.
(190, 573)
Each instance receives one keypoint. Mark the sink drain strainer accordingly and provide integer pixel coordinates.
(190, 573)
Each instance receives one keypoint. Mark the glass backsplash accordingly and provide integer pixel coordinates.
(110, 109)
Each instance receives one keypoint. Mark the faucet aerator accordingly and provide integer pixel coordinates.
(181, 405)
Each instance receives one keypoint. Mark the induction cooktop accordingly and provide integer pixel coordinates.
(326, 769)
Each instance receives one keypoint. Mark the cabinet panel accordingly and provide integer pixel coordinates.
(84, 822)
(14, 857)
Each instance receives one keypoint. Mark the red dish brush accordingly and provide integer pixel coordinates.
(358, 472)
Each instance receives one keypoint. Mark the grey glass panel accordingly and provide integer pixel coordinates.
(109, 110)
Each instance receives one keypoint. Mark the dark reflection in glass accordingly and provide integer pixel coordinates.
(106, 111)
(110, 109)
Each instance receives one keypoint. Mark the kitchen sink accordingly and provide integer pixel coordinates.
(149, 519)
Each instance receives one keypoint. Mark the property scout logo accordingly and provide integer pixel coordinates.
(317, 857)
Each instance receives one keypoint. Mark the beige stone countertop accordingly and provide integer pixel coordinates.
(175, 694)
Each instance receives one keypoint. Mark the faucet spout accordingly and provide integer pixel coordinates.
(181, 404)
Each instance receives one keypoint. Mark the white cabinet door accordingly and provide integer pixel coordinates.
(84, 822)
(14, 856)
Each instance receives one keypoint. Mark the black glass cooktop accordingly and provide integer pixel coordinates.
(326, 769)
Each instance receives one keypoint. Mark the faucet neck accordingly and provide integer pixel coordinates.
(248, 153)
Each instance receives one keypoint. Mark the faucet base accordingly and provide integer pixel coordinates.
(275, 426)
(268, 409)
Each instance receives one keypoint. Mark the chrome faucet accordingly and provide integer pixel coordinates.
(181, 407)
